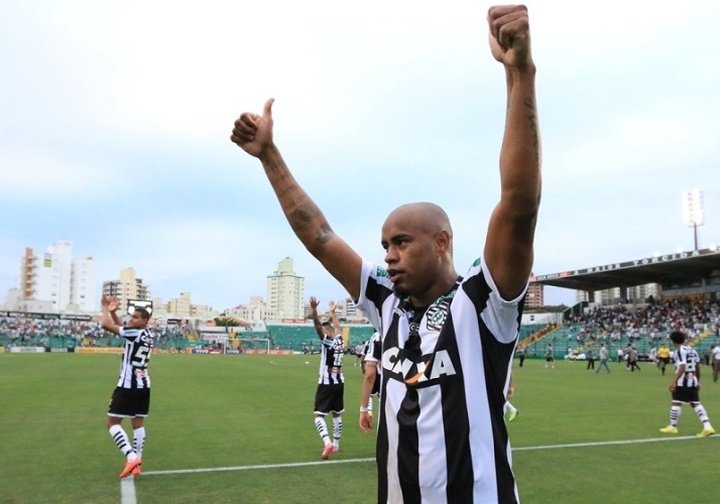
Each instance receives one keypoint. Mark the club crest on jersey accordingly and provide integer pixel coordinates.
(436, 315)
(428, 371)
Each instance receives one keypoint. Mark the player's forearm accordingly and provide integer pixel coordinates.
(367, 386)
(335, 322)
(107, 322)
(317, 325)
(520, 156)
(678, 374)
(303, 215)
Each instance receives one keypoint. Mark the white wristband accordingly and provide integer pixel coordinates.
(363, 409)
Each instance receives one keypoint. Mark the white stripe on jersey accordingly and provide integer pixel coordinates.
(441, 435)
(687, 355)
(135, 358)
(373, 349)
(331, 361)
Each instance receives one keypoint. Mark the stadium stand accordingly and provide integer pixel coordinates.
(303, 338)
(644, 326)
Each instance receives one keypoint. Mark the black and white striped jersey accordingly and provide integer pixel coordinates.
(373, 348)
(135, 358)
(332, 352)
(688, 356)
(441, 434)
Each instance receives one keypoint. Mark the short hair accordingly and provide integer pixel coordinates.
(326, 323)
(677, 337)
(143, 312)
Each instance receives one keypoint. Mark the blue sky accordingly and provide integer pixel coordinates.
(115, 120)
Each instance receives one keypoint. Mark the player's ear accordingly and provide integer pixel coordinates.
(442, 241)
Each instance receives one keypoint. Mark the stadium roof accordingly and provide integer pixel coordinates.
(678, 268)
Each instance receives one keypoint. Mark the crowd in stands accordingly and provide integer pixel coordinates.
(53, 331)
(645, 327)
(28, 331)
(59, 332)
(651, 321)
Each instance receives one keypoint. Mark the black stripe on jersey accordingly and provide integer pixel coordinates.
(408, 459)
(376, 291)
(496, 361)
(455, 419)
(496, 356)
(382, 440)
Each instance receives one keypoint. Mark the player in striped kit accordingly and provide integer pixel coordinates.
(447, 340)
(329, 395)
(371, 355)
(685, 387)
(131, 397)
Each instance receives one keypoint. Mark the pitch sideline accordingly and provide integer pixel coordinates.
(127, 485)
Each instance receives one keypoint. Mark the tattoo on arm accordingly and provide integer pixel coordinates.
(532, 119)
(324, 233)
(302, 217)
(299, 218)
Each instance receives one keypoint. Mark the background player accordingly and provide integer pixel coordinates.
(685, 386)
(329, 395)
(131, 397)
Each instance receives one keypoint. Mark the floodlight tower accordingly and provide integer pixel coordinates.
(693, 214)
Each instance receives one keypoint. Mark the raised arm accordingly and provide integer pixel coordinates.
(509, 244)
(110, 321)
(254, 134)
(334, 318)
(316, 319)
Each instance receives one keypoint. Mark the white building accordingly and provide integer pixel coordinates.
(255, 312)
(348, 311)
(56, 278)
(285, 293)
(83, 288)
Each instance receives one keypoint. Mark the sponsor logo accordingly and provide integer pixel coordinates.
(382, 272)
(426, 372)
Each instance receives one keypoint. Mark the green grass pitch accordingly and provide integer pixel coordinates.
(248, 421)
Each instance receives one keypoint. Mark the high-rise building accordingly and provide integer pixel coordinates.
(535, 296)
(83, 288)
(285, 292)
(58, 279)
(127, 287)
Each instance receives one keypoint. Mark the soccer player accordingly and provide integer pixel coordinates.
(549, 356)
(715, 361)
(131, 397)
(663, 357)
(685, 386)
(331, 382)
(371, 380)
(447, 340)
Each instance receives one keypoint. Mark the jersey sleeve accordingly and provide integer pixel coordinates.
(501, 316)
(374, 349)
(129, 333)
(375, 288)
